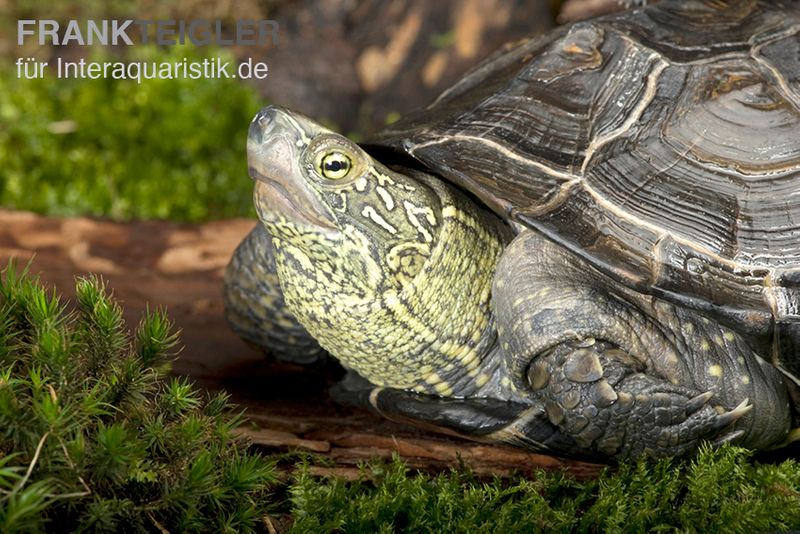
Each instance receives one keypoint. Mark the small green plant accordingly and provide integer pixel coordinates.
(165, 148)
(94, 436)
(719, 491)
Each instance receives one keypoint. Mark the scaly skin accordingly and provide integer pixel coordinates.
(391, 272)
(434, 333)
(628, 374)
(255, 307)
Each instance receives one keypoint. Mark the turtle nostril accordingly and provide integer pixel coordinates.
(263, 123)
(266, 117)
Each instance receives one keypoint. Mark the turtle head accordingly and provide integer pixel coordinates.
(277, 158)
(318, 190)
(374, 261)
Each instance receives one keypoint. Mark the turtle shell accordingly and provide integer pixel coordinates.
(661, 144)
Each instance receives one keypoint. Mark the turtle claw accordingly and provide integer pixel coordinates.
(730, 437)
(696, 404)
(734, 415)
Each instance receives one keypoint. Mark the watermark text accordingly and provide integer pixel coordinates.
(30, 68)
(168, 32)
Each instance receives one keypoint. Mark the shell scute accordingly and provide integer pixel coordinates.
(660, 144)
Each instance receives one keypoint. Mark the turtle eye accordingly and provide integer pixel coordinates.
(334, 165)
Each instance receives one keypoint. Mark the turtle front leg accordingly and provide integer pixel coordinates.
(255, 307)
(619, 410)
(627, 374)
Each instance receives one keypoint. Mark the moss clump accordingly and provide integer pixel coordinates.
(93, 436)
(719, 491)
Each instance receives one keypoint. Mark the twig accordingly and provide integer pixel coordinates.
(19, 485)
(69, 495)
(269, 525)
(158, 525)
(72, 466)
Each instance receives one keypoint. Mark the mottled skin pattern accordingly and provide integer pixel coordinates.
(648, 300)
(255, 307)
(389, 249)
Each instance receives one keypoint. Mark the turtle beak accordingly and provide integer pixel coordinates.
(275, 144)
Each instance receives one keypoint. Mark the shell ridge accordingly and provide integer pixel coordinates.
(634, 116)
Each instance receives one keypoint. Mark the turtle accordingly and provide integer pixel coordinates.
(589, 246)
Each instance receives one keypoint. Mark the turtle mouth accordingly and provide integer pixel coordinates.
(274, 147)
(274, 203)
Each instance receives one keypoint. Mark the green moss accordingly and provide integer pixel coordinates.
(720, 491)
(93, 435)
(165, 148)
(387, 499)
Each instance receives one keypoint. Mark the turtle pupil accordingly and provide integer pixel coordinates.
(334, 166)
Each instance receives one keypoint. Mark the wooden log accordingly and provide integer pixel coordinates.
(276, 438)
